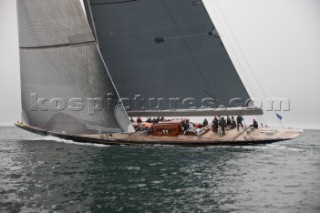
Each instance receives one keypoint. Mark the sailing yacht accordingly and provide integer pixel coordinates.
(85, 70)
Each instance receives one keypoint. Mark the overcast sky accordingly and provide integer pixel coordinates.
(275, 44)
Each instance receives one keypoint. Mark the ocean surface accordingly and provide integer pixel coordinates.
(46, 174)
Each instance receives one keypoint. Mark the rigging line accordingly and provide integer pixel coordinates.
(235, 55)
(237, 58)
(190, 53)
(242, 52)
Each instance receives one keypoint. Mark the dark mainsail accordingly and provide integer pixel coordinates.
(165, 55)
(64, 81)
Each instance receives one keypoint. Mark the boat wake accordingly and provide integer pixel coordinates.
(61, 140)
(274, 147)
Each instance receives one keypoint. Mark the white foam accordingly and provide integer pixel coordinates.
(157, 181)
(273, 146)
(134, 168)
(61, 140)
(163, 145)
(281, 147)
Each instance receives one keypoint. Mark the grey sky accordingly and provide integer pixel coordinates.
(276, 40)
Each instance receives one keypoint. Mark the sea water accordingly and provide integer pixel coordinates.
(47, 174)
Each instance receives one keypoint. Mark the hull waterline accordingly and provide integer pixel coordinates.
(138, 138)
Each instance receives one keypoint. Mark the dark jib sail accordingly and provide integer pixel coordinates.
(65, 85)
(166, 57)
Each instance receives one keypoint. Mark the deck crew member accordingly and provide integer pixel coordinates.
(205, 123)
(148, 128)
(185, 126)
(215, 124)
(188, 127)
(222, 124)
(233, 123)
(254, 124)
(228, 122)
(239, 122)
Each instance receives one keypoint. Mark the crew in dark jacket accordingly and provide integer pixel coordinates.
(228, 122)
(205, 123)
(255, 124)
(222, 124)
(239, 122)
(215, 124)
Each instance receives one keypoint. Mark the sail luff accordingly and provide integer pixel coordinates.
(122, 117)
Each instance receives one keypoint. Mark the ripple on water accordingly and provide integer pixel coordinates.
(49, 174)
